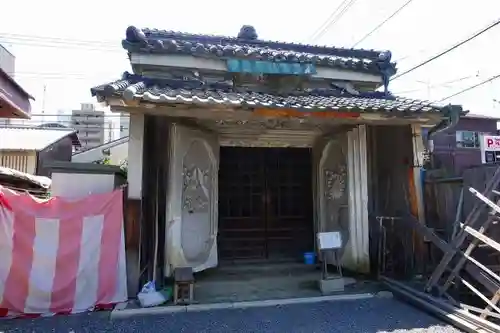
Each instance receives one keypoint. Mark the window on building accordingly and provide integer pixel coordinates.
(469, 139)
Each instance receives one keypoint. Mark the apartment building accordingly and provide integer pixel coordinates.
(63, 117)
(124, 124)
(90, 125)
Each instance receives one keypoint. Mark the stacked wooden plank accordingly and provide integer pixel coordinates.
(458, 267)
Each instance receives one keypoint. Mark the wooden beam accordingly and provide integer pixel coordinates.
(487, 201)
(479, 294)
(428, 233)
(467, 253)
(458, 214)
(481, 277)
(482, 324)
(481, 237)
(481, 311)
(445, 247)
(487, 312)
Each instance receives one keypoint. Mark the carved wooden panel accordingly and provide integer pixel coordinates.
(198, 166)
(333, 188)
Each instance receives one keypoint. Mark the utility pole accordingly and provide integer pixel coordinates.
(43, 102)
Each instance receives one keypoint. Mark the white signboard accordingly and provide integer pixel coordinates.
(490, 148)
(329, 240)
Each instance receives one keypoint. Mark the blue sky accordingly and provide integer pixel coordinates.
(69, 46)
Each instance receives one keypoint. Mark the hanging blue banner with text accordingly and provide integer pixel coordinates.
(269, 67)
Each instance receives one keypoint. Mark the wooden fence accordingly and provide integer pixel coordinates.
(442, 196)
(448, 202)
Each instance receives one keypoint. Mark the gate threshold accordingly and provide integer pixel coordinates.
(127, 313)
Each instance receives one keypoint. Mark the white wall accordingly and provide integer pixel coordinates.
(135, 145)
(64, 184)
(118, 154)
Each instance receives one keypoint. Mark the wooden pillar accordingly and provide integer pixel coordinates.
(132, 244)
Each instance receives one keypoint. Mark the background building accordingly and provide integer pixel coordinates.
(8, 65)
(63, 117)
(7, 62)
(90, 125)
(124, 124)
(457, 149)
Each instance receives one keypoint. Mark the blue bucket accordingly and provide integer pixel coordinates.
(309, 258)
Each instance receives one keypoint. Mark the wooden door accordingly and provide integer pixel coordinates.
(265, 203)
(289, 214)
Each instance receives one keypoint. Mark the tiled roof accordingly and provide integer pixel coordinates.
(30, 138)
(178, 91)
(247, 45)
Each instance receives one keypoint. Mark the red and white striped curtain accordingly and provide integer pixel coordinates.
(60, 256)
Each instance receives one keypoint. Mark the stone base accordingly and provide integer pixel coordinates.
(331, 285)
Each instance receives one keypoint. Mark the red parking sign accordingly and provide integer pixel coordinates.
(490, 149)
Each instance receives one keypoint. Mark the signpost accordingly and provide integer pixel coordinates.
(330, 242)
(490, 148)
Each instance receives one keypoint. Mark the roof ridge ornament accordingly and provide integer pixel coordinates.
(135, 35)
(248, 32)
(386, 69)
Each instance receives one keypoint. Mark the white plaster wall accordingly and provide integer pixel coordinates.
(118, 154)
(64, 184)
(135, 146)
(186, 61)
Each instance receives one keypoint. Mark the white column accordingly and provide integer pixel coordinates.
(357, 255)
(135, 154)
(418, 161)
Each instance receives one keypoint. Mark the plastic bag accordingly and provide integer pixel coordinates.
(149, 297)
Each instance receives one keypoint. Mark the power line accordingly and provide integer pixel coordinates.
(66, 40)
(42, 41)
(61, 73)
(322, 26)
(338, 18)
(469, 88)
(410, 55)
(382, 23)
(62, 45)
(63, 76)
(84, 129)
(477, 34)
(337, 14)
(69, 115)
(443, 84)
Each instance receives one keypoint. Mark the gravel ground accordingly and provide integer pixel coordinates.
(369, 316)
